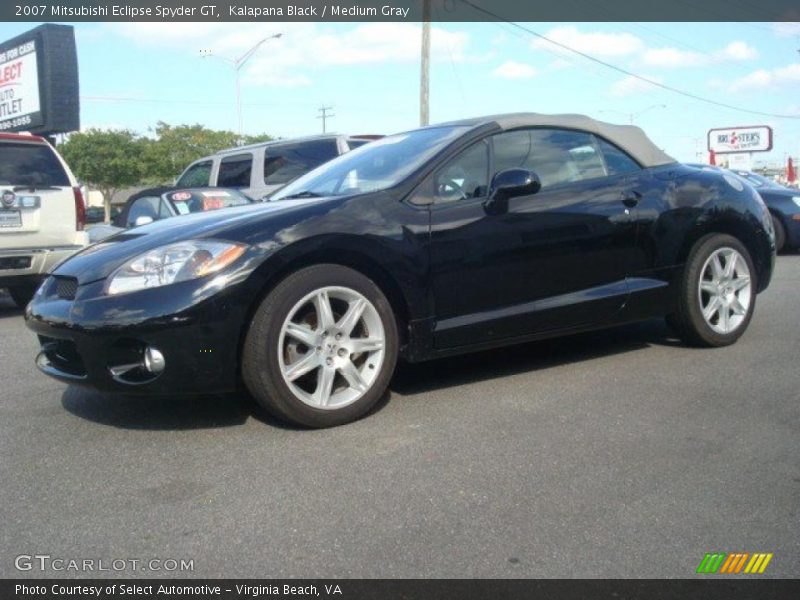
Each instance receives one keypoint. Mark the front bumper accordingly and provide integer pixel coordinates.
(196, 326)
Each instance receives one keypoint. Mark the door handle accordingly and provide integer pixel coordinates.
(631, 199)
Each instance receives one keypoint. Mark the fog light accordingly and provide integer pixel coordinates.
(153, 360)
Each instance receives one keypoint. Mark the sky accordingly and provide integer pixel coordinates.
(133, 75)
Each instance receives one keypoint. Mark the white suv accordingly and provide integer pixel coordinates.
(262, 169)
(42, 213)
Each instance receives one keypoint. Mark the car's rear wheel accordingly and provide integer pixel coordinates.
(321, 347)
(717, 293)
(780, 233)
(22, 294)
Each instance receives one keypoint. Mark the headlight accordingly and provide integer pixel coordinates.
(173, 263)
(796, 200)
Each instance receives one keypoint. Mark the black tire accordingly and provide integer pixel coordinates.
(261, 369)
(22, 294)
(688, 321)
(780, 233)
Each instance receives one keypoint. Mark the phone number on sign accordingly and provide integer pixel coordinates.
(16, 122)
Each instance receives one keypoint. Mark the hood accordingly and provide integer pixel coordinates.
(245, 224)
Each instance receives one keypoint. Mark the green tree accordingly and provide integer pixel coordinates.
(107, 160)
(174, 147)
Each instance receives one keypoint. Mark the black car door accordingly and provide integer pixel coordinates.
(554, 260)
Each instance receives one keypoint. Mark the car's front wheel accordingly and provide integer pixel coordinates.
(717, 293)
(321, 347)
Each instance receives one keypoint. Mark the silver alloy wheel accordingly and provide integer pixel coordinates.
(331, 347)
(725, 290)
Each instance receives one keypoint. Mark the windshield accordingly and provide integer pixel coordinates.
(375, 166)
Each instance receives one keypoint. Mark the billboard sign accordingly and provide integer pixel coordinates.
(19, 87)
(39, 81)
(757, 138)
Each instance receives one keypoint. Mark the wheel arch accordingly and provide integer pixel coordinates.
(292, 259)
(744, 231)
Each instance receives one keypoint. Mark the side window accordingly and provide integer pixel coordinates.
(147, 206)
(556, 155)
(617, 162)
(234, 171)
(198, 175)
(286, 163)
(465, 176)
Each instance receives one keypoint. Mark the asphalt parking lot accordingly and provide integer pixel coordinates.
(619, 453)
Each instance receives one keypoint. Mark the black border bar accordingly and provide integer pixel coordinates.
(709, 588)
(399, 10)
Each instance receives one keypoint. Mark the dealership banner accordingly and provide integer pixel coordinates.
(398, 10)
(405, 589)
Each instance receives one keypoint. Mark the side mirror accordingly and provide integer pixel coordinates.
(143, 220)
(510, 184)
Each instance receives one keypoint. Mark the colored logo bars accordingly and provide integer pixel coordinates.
(734, 562)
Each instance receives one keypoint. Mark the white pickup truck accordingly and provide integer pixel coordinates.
(42, 213)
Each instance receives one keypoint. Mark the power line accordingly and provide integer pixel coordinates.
(323, 110)
(627, 72)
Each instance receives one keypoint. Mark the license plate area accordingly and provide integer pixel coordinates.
(10, 218)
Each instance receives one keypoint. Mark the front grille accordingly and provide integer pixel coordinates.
(66, 287)
(15, 262)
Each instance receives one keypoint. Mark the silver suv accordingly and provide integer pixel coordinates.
(261, 169)
(42, 213)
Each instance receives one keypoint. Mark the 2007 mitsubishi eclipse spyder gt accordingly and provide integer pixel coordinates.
(446, 239)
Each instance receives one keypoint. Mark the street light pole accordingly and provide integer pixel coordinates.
(237, 64)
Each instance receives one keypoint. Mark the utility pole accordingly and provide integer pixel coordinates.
(324, 116)
(425, 65)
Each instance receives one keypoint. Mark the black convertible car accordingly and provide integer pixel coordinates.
(437, 241)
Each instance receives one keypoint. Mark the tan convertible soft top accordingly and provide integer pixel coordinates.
(628, 137)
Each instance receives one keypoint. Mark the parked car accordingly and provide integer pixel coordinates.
(784, 206)
(159, 203)
(42, 213)
(261, 169)
(437, 241)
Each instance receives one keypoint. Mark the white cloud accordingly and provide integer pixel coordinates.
(737, 51)
(596, 43)
(673, 58)
(514, 70)
(766, 78)
(670, 57)
(304, 47)
(630, 86)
